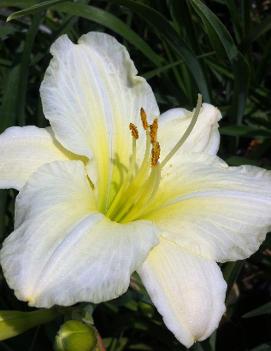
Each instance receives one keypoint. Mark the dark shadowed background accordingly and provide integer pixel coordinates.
(220, 48)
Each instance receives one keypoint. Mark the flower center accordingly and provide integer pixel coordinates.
(142, 182)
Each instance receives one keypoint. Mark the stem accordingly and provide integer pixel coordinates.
(100, 344)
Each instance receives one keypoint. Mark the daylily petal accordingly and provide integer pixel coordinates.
(25, 149)
(62, 251)
(203, 138)
(90, 93)
(188, 291)
(213, 210)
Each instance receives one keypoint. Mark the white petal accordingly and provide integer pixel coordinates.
(213, 210)
(62, 251)
(203, 138)
(23, 150)
(90, 94)
(188, 291)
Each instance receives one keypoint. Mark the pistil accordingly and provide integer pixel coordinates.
(186, 133)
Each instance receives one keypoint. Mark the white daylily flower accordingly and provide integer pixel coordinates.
(87, 218)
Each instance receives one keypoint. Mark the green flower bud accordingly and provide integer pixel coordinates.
(13, 323)
(75, 335)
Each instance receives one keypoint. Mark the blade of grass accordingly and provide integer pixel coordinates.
(17, 3)
(262, 347)
(217, 32)
(6, 30)
(8, 110)
(264, 309)
(245, 131)
(162, 69)
(182, 80)
(110, 21)
(24, 67)
(260, 29)
(241, 70)
(164, 28)
(33, 9)
(7, 118)
(220, 37)
(231, 271)
(3, 202)
(182, 21)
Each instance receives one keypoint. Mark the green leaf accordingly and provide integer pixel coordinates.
(3, 202)
(33, 9)
(24, 67)
(261, 29)
(141, 347)
(244, 131)
(9, 101)
(13, 323)
(163, 69)
(238, 161)
(182, 21)
(235, 17)
(112, 22)
(17, 3)
(231, 271)
(263, 347)
(220, 38)
(6, 30)
(264, 309)
(12, 110)
(164, 29)
(218, 34)
(241, 70)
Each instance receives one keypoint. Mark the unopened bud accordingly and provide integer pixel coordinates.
(75, 335)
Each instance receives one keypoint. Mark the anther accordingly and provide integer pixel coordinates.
(144, 118)
(153, 131)
(133, 130)
(155, 153)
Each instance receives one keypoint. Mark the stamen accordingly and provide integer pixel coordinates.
(186, 133)
(148, 192)
(155, 153)
(144, 118)
(141, 182)
(134, 181)
(153, 131)
(133, 130)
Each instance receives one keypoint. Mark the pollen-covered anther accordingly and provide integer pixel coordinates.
(155, 154)
(144, 118)
(133, 130)
(153, 131)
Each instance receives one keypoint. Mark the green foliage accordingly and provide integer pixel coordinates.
(13, 323)
(219, 48)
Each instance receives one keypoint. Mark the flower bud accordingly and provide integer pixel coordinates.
(75, 335)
